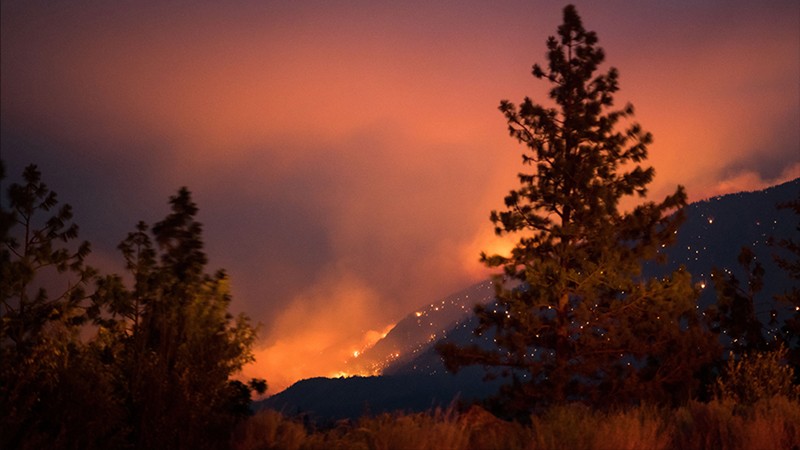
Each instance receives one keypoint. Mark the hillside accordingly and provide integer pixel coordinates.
(414, 378)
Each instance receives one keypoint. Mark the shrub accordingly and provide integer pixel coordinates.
(757, 376)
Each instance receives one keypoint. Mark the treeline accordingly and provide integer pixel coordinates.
(140, 360)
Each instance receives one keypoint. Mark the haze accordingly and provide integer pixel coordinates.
(345, 155)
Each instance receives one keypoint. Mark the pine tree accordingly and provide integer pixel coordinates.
(574, 319)
(43, 295)
(171, 339)
(35, 250)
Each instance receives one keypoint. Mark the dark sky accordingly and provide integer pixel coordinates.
(345, 155)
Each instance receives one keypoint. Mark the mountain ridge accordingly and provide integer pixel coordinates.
(712, 236)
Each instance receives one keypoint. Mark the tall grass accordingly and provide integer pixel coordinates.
(772, 423)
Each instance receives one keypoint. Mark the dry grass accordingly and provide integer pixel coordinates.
(634, 429)
(772, 423)
(768, 424)
(270, 430)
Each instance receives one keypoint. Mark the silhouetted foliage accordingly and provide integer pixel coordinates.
(40, 246)
(145, 367)
(574, 319)
(44, 367)
(170, 339)
(755, 376)
(791, 265)
(734, 313)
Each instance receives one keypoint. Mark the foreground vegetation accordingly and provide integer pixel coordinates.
(754, 404)
(144, 360)
(772, 423)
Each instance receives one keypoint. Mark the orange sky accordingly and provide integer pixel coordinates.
(345, 155)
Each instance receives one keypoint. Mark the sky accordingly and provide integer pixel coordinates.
(345, 155)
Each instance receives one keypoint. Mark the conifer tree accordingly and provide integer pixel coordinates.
(43, 296)
(574, 319)
(170, 337)
(35, 249)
